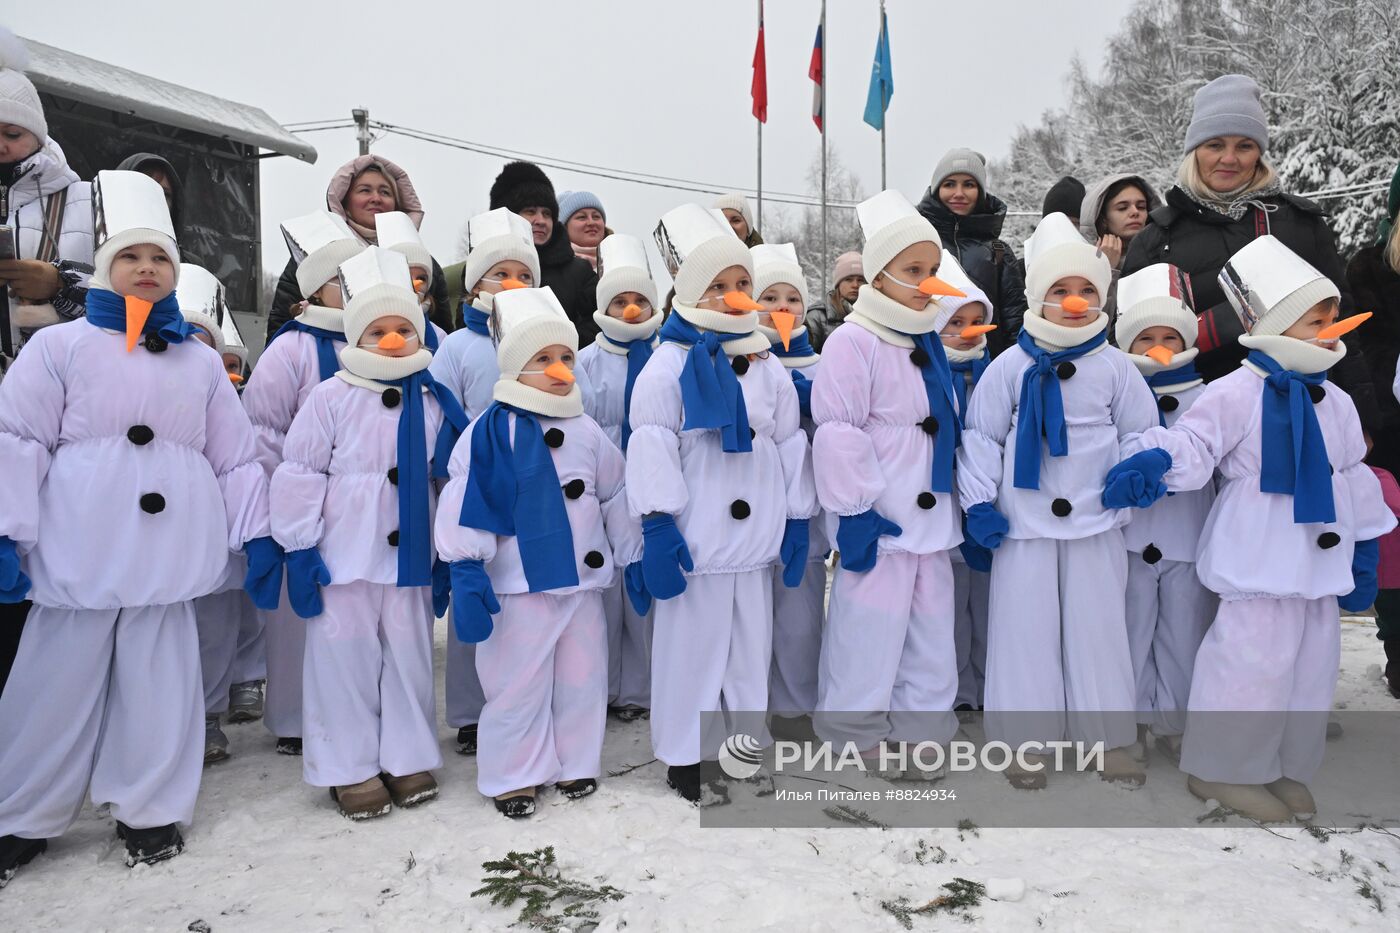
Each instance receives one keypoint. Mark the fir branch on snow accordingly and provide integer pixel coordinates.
(551, 902)
(628, 769)
(845, 814)
(962, 896)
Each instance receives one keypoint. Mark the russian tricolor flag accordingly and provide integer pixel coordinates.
(814, 71)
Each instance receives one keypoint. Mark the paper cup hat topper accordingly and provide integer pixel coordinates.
(891, 225)
(496, 236)
(374, 283)
(697, 244)
(319, 242)
(395, 230)
(201, 300)
(623, 267)
(128, 208)
(1057, 250)
(1270, 286)
(527, 321)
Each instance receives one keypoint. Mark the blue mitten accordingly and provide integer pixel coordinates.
(793, 552)
(442, 586)
(803, 385)
(986, 526)
(473, 601)
(976, 556)
(858, 537)
(263, 581)
(14, 585)
(306, 574)
(1136, 482)
(636, 588)
(1365, 557)
(664, 557)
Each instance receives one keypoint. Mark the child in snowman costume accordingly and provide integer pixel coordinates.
(352, 504)
(1168, 608)
(1291, 536)
(302, 355)
(534, 522)
(721, 478)
(887, 433)
(964, 338)
(131, 474)
(799, 612)
(235, 353)
(628, 317)
(1048, 420)
(396, 231)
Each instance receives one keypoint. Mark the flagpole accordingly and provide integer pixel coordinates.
(885, 119)
(760, 137)
(826, 265)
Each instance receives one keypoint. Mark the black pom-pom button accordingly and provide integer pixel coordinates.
(394, 475)
(926, 500)
(930, 425)
(1151, 554)
(393, 538)
(739, 509)
(554, 438)
(573, 488)
(1065, 370)
(153, 503)
(1316, 393)
(155, 343)
(391, 398)
(1168, 403)
(918, 357)
(752, 434)
(140, 435)
(593, 559)
(1060, 508)
(1328, 540)
(740, 364)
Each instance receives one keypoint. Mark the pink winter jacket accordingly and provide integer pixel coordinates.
(1388, 574)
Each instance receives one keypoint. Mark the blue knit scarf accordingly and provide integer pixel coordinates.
(960, 368)
(1293, 453)
(515, 491)
(1041, 410)
(709, 388)
(942, 404)
(638, 352)
(327, 357)
(798, 346)
(1172, 377)
(476, 320)
(430, 337)
(107, 309)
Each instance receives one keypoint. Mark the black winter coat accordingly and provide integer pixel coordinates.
(1198, 241)
(574, 282)
(975, 241)
(1375, 287)
(289, 293)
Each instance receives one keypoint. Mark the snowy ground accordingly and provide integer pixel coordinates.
(269, 853)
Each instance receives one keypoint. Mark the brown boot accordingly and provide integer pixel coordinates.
(1295, 796)
(1249, 800)
(411, 789)
(362, 801)
(1121, 767)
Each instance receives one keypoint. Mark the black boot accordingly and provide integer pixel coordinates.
(15, 852)
(466, 740)
(289, 745)
(685, 780)
(150, 845)
(1392, 666)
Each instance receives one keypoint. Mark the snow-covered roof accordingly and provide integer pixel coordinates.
(77, 77)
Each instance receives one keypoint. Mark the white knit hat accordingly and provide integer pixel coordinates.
(496, 236)
(623, 267)
(891, 225)
(128, 208)
(1156, 296)
(19, 101)
(526, 320)
(952, 272)
(697, 245)
(374, 283)
(1270, 286)
(395, 230)
(1057, 250)
(735, 201)
(777, 264)
(319, 242)
(201, 300)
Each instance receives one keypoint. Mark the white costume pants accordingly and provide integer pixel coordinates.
(1169, 611)
(544, 671)
(971, 593)
(109, 699)
(629, 650)
(463, 686)
(799, 617)
(285, 635)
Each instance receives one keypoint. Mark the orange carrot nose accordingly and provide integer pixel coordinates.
(137, 311)
(1345, 326)
(392, 341)
(975, 331)
(631, 313)
(738, 301)
(936, 287)
(1160, 354)
(235, 378)
(419, 283)
(1075, 304)
(512, 284)
(783, 322)
(559, 372)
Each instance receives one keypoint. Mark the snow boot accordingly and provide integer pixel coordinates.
(362, 801)
(576, 790)
(466, 740)
(245, 702)
(1392, 666)
(1296, 796)
(1334, 727)
(1252, 801)
(215, 742)
(15, 852)
(1026, 779)
(517, 804)
(411, 789)
(792, 728)
(290, 745)
(1169, 747)
(631, 712)
(1120, 767)
(148, 846)
(685, 780)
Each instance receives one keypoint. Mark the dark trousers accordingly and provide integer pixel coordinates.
(12, 616)
(1388, 615)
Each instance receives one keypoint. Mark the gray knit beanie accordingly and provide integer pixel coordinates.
(1227, 106)
(966, 161)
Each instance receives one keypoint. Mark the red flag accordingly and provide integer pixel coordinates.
(759, 89)
(814, 71)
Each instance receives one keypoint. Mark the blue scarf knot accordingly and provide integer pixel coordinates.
(515, 491)
(1041, 409)
(476, 320)
(1171, 377)
(107, 309)
(942, 404)
(960, 368)
(415, 525)
(327, 356)
(1293, 453)
(710, 390)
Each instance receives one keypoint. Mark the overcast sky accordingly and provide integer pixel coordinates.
(652, 85)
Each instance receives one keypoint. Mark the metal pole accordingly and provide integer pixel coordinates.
(826, 264)
(884, 114)
(361, 117)
(760, 134)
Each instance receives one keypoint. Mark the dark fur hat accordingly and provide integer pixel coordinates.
(521, 185)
